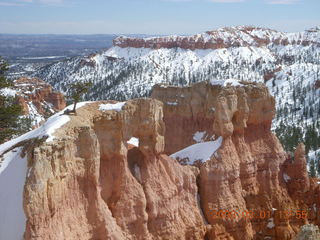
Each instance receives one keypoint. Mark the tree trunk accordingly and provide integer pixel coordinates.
(74, 107)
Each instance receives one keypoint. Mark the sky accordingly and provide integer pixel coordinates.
(153, 16)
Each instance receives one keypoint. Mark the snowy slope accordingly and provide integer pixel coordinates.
(289, 63)
(122, 73)
(13, 171)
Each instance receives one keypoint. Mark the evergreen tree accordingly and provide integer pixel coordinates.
(76, 92)
(318, 163)
(10, 111)
(312, 170)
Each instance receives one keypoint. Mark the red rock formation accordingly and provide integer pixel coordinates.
(89, 183)
(222, 38)
(40, 94)
(249, 172)
(92, 185)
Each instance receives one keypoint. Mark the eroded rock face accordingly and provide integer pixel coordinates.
(37, 94)
(242, 36)
(217, 110)
(251, 172)
(90, 184)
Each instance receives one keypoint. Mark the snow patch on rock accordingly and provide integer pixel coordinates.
(199, 136)
(227, 82)
(198, 152)
(172, 103)
(112, 106)
(134, 141)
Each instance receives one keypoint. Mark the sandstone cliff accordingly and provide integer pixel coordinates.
(251, 171)
(87, 179)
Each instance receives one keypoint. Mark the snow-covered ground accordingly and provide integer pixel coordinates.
(13, 171)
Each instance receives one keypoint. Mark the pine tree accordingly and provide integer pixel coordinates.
(77, 90)
(10, 111)
(318, 163)
(312, 170)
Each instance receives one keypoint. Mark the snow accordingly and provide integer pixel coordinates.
(286, 178)
(53, 123)
(34, 115)
(37, 58)
(313, 154)
(134, 141)
(233, 82)
(199, 151)
(270, 223)
(227, 82)
(13, 172)
(172, 103)
(199, 136)
(8, 92)
(112, 106)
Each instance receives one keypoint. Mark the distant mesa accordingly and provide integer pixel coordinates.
(241, 36)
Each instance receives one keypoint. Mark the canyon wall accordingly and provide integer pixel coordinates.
(251, 176)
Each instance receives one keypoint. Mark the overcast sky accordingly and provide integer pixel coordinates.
(153, 16)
